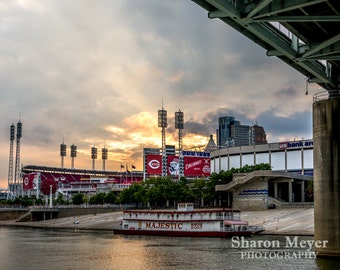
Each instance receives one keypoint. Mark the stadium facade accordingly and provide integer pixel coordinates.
(290, 156)
(286, 185)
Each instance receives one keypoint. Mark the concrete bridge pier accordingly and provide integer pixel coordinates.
(326, 135)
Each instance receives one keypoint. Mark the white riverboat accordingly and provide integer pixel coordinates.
(186, 221)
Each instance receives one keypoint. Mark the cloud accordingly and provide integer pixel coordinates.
(95, 73)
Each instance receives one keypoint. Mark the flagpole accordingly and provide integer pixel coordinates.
(126, 170)
(120, 175)
(132, 168)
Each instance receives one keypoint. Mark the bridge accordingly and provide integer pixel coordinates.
(305, 35)
(302, 33)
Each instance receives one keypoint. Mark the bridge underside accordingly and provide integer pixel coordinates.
(302, 33)
(305, 35)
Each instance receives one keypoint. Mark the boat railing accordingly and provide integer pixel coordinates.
(179, 216)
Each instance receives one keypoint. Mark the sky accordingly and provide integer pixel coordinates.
(95, 73)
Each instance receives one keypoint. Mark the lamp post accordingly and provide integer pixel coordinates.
(50, 196)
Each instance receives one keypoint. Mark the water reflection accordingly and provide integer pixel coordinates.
(24, 248)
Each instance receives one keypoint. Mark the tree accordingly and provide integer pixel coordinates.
(78, 199)
(132, 194)
(198, 188)
(60, 199)
(110, 198)
(98, 198)
(101, 198)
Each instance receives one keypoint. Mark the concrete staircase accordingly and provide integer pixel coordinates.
(283, 204)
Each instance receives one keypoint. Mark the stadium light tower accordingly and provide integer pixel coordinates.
(179, 124)
(93, 156)
(17, 159)
(73, 154)
(162, 123)
(10, 165)
(62, 153)
(104, 156)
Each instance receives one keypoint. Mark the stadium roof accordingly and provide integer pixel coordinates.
(37, 168)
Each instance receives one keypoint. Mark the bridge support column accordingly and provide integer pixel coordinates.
(303, 191)
(275, 190)
(290, 191)
(326, 135)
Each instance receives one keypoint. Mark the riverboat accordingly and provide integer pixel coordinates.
(186, 221)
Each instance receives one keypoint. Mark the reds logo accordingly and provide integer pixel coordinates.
(26, 181)
(154, 164)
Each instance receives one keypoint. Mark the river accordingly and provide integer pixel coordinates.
(32, 248)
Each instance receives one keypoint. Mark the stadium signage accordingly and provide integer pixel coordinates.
(193, 164)
(299, 144)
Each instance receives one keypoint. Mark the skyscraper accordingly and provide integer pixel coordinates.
(240, 134)
(223, 133)
(257, 135)
(231, 133)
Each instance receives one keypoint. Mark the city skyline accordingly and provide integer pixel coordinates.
(95, 73)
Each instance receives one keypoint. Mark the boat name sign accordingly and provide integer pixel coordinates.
(171, 225)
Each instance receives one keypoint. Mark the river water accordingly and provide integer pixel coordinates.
(32, 248)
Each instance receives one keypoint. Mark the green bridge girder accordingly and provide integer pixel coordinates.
(305, 34)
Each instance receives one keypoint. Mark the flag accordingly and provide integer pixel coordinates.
(133, 167)
(127, 171)
(121, 166)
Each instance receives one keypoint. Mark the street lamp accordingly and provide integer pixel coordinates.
(50, 196)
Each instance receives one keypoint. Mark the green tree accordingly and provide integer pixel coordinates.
(132, 194)
(93, 199)
(98, 198)
(38, 201)
(78, 199)
(198, 189)
(60, 199)
(26, 201)
(182, 191)
(110, 198)
(101, 198)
